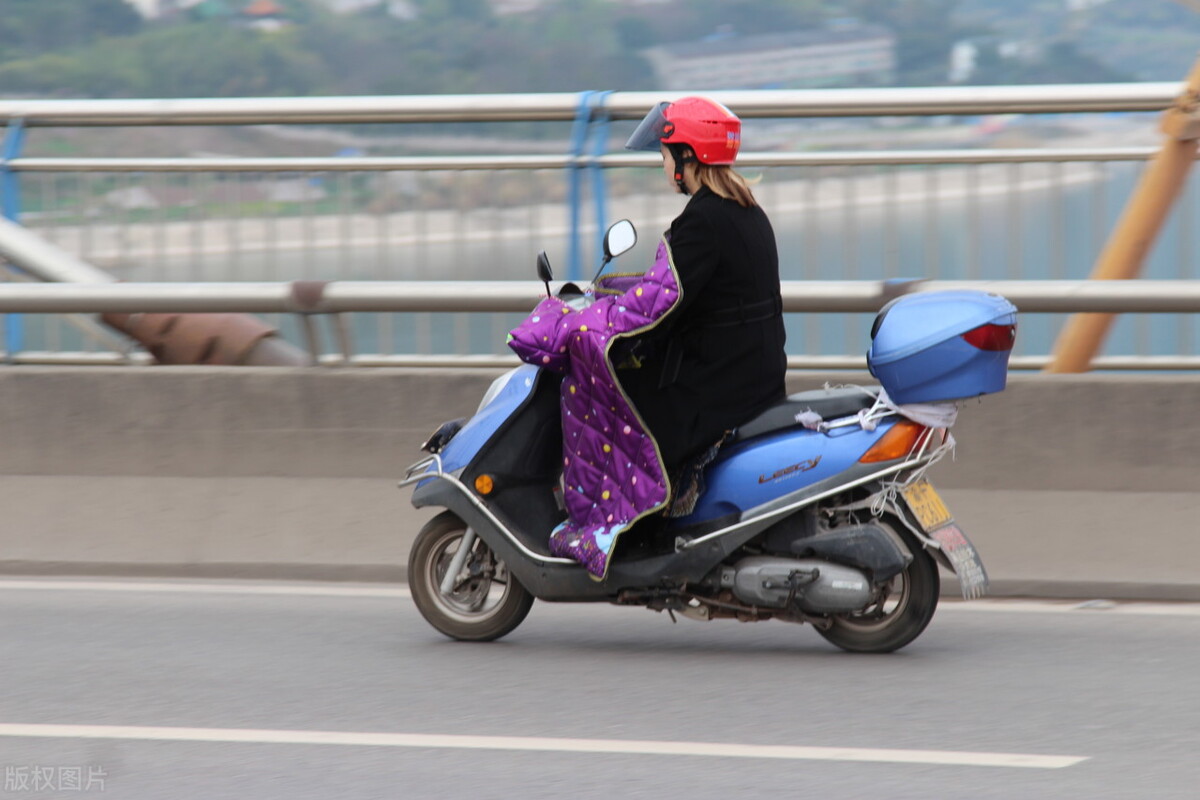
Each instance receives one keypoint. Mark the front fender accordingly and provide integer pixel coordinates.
(546, 577)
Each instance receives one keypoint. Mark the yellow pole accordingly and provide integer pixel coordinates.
(1083, 335)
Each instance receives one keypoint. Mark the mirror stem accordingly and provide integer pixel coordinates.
(603, 264)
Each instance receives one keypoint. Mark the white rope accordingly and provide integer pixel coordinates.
(810, 420)
(931, 415)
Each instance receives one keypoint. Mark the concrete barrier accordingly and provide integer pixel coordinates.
(1071, 486)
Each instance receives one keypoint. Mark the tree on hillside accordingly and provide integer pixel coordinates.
(219, 61)
(33, 27)
(1148, 14)
(438, 52)
(357, 53)
(925, 32)
(1150, 40)
(571, 49)
(197, 60)
(1061, 62)
(690, 20)
(574, 49)
(440, 10)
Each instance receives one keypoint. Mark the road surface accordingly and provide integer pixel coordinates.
(273, 690)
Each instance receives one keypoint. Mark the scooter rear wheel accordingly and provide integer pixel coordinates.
(486, 601)
(902, 612)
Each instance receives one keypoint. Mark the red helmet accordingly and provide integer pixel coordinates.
(712, 131)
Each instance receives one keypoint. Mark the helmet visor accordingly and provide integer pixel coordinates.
(651, 130)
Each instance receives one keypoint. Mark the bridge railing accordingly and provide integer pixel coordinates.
(338, 299)
(968, 210)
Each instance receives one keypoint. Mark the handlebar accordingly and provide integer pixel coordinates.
(574, 297)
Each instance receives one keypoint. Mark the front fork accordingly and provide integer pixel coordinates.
(431, 467)
(458, 561)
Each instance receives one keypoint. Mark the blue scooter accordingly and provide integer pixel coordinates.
(817, 511)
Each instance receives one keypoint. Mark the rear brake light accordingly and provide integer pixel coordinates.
(898, 442)
(992, 337)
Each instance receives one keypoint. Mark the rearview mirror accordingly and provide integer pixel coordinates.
(620, 238)
(545, 274)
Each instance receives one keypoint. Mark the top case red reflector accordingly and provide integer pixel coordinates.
(992, 337)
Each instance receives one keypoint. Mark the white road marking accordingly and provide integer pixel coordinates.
(186, 587)
(1123, 607)
(542, 745)
(992, 605)
(989, 605)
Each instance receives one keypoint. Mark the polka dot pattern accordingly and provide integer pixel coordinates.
(612, 469)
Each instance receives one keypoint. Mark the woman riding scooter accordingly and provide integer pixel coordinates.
(663, 366)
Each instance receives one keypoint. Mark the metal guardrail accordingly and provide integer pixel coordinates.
(338, 297)
(565, 107)
(616, 105)
(890, 158)
(309, 299)
(153, 236)
(819, 363)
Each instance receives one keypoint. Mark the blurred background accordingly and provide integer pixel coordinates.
(998, 217)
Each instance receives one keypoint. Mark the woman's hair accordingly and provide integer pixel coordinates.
(724, 182)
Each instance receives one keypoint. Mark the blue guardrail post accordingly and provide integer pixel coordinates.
(591, 123)
(10, 206)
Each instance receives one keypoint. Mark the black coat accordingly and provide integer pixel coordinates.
(718, 359)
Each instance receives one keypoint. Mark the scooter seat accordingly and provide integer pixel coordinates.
(830, 404)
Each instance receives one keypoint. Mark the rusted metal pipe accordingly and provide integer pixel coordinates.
(43, 259)
(219, 339)
(202, 338)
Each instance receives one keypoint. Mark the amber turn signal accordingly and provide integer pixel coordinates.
(484, 484)
(896, 443)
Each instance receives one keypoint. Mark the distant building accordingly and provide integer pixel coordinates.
(261, 9)
(848, 55)
(147, 8)
(399, 9)
(502, 7)
(265, 15)
(349, 6)
(515, 6)
(963, 58)
(154, 9)
(210, 9)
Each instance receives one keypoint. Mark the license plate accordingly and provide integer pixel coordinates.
(972, 577)
(926, 505)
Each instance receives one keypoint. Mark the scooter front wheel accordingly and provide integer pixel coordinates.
(481, 600)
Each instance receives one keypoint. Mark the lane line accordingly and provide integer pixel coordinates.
(542, 745)
(170, 587)
(996, 605)
(992, 605)
(1123, 607)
